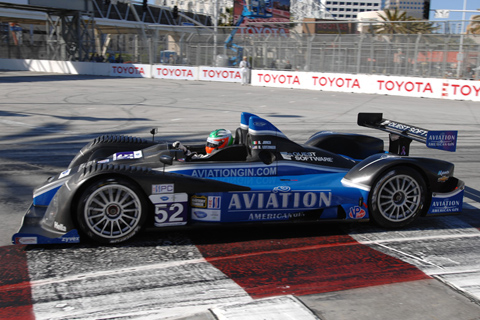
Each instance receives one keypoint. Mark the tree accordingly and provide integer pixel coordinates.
(421, 27)
(397, 22)
(474, 25)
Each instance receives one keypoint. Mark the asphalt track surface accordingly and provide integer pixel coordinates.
(430, 270)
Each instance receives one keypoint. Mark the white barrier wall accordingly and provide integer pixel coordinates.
(128, 70)
(219, 74)
(372, 84)
(175, 72)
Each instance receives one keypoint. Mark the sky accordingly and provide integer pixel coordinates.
(454, 5)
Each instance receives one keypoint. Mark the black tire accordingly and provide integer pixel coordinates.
(111, 210)
(397, 197)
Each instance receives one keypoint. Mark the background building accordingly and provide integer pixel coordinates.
(201, 7)
(414, 9)
(300, 9)
(350, 9)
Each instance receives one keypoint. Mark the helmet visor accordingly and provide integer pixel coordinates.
(213, 144)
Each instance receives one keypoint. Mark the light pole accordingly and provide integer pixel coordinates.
(460, 51)
(215, 31)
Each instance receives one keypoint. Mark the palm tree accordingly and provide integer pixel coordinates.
(397, 22)
(474, 25)
(389, 26)
(421, 26)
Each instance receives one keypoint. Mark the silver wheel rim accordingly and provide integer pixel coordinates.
(112, 211)
(399, 198)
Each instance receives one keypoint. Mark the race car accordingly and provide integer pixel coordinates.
(118, 185)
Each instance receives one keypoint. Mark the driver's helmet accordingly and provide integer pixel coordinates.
(218, 139)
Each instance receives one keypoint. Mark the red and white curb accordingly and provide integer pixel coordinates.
(447, 251)
(277, 308)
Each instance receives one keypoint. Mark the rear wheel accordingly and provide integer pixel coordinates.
(111, 210)
(397, 197)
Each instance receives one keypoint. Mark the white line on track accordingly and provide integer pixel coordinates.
(449, 253)
(121, 271)
(424, 238)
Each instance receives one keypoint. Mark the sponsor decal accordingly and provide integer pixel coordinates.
(336, 82)
(174, 72)
(162, 188)
(163, 198)
(263, 30)
(442, 179)
(275, 216)
(59, 226)
(200, 214)
(281, 189)
(447, 204)
(278, 78)
(356, 213)
(103, 161)
(304, 156)
(402, 86)
(222, 74)
(26, 240)
(198, 201)
(443, 176)
(465, 90)
(64, 174)
(71, 239)
(170, 210)
(231, 172)
(128, 70)
(443, 140)
(214, 202)
(404, 127)
(127, 155)
(206, 215)
(279, 201)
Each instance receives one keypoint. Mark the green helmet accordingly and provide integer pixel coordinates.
(218, 139)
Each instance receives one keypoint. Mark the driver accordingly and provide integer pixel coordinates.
(218, 139)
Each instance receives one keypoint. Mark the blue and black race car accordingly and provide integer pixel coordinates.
(117, 185)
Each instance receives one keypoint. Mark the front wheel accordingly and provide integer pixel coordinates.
(111, 210)
(397, 197)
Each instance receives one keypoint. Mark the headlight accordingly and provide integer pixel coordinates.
(49, 217)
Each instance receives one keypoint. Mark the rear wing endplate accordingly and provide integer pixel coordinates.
(401, 135)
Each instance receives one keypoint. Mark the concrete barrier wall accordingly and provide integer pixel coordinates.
(372, 84)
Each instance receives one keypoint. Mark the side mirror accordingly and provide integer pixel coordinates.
(166, 160)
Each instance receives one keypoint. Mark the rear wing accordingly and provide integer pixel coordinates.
(401, 135)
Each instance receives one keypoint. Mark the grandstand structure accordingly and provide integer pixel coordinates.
(75, 28)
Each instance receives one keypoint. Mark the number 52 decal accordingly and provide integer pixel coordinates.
(171, 209)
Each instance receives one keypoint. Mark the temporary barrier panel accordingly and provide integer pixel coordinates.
(175, 72)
